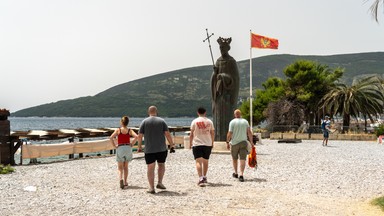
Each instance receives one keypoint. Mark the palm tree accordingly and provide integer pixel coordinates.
(365, 96)
(374, 8)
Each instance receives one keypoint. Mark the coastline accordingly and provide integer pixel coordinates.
(292, 179)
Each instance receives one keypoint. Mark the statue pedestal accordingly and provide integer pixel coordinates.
(220, 146)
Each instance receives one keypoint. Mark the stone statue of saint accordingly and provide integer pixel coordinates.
(225, 89)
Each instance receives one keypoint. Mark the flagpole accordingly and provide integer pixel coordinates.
(250, 79)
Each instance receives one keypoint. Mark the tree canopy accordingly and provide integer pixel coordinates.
(375, 7)
(365, 96)
(273, 90)
(306, 83)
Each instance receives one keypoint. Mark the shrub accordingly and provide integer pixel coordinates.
(379, 130)
(6, 169)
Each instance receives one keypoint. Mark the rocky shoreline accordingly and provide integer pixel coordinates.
(292, 179)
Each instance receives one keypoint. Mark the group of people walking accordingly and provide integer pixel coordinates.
(155, 132)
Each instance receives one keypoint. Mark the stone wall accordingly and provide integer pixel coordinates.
(365, 137)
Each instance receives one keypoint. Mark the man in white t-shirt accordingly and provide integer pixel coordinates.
(201, 141)
(238, 134)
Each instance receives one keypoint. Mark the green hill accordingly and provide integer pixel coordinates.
(178, 93)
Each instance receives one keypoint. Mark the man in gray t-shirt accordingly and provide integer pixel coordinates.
(154, 130)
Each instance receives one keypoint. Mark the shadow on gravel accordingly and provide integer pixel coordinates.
(218, 185)
(288, 143)
(134, 187)
(256, 180)
(169, 193)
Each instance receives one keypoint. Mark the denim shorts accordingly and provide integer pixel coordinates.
(124, 153)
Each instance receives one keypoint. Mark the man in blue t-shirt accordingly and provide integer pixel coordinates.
(325, 126)
(155, 130)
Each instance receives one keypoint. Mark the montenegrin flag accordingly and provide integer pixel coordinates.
(258, 41)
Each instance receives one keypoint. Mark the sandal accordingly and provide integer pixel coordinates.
(151, 191)
(121, 184)
(160, 186)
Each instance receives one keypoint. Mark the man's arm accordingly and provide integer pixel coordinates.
(213, 137)
(140, 142)
(250, 136)
(169, 138)
(229, 137)
(191, 135)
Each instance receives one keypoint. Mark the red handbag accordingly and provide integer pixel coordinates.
(252, 160)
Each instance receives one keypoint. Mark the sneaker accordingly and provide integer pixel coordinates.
(241, 178)
(160, 186)
(205, 181)
(234, 175)
(201, 183)
(121, 184)
(151, 191)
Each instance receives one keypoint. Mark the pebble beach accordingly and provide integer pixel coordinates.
(292, 179)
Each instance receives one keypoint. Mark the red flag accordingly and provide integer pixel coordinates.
(258, 41)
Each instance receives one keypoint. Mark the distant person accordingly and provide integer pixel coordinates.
(325, 127)
(238, 134)
(123, 148)
(201, 138)
(155, 130)
(303, 127)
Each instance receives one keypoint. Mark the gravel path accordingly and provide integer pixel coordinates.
(293, 179)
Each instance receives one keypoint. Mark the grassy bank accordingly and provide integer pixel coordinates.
(379, 202)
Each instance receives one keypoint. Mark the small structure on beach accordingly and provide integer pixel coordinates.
(7, 142)
(71, 147)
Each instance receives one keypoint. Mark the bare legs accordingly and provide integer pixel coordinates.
(160, 172)
(123, 171)
(201, 166)
(242, 166)
(125, 168)
(325, 141)
(151, 174)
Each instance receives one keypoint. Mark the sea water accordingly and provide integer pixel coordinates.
(56, 123)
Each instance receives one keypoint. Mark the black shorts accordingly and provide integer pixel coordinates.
(160, 157)
(202, 151)
(325, 133)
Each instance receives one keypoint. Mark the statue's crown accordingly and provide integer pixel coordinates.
(224, 41)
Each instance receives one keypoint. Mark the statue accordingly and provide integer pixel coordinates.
(224, 89)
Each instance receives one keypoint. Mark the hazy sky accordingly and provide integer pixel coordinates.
(53, 50)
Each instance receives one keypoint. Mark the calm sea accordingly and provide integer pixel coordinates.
(53, 123)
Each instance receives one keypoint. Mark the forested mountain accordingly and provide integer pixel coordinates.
(178, 93)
